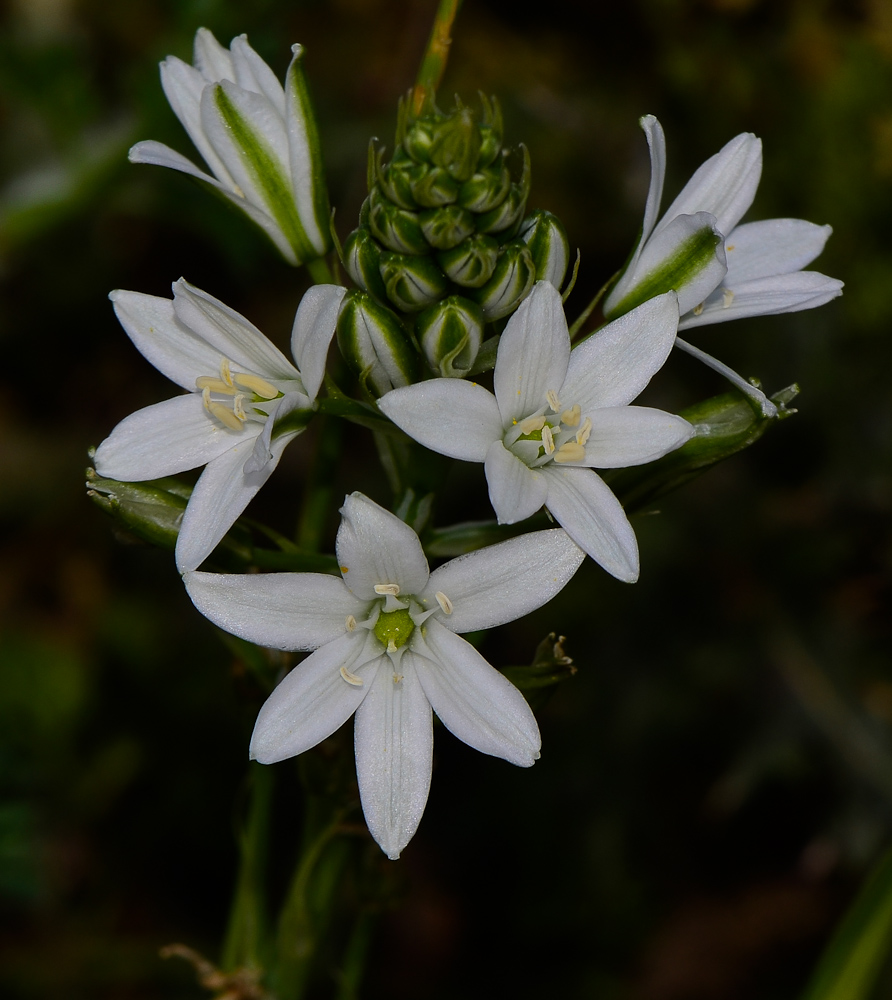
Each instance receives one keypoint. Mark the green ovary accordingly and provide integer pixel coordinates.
(394, 628)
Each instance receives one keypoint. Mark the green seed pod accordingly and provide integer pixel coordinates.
(362, 259)
(546, 237)
(397, 228)
(472, 262)
(412, 282)
(450, 333)
(511, 282)
(375, 345)
(446, 227)
(487, 189)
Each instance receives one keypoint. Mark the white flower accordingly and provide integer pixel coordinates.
(246, 401)
(387, 649)
(721, 270)
(259, 140)
(555, 416)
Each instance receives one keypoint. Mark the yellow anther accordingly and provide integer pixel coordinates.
(225, 372)
(548, 440)
(213, 384)
(351, 623)
(254, 383)
(387, 588)
(532, 424)
(553, 400)
(730, 247)
(727, 298)
(224, 415)
(572, 416)
(444, 602)
(397, 678)
(357, 682)
(584, 432)
(570, 452)
(345, 569)
(206, 398)
(238, 406)
(698, 310)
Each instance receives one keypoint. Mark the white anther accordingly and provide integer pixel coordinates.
(727, 298)
(225, 372)
(553, 400)
(584, 432)
(532, 424)
(213, 384)
(351, 623)
(224, 415)
(254, 383)
(572, 416)
(570, 452)
(206, 398)
(698, 310)
(444, 602)
(357, 682)
(387, 588)
(238, 407)
(548, 440)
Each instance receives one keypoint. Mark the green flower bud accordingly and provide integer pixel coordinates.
(418, 139)
(451, 333)
(491, 130)
(546, 237)
(472, 262)
(435, 187)
(152, 511)
(412, 282)
(397, 228)
(486, 189)
(397, 178)
(446, 227)
(375, 345)
(362, 259)
(511, 282)
(510, 211)
(456, 144)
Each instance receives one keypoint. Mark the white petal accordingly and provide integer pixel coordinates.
(473, 700)
(279, 610)
(450, 416)
(158, 155)
(612, 366)
(632, 435)
(222, 492)
(515, 491)
(262, 453)
(656, 143)
(230, 333)
(314, 699)
(394, 752)
(314, 326)
(252, 73)
(211, 58)
(533, 354)
(773, 246)
(174, 349)
(376, 547)
(780, 293)
(163, 440)
(504, 582)
(587, 510)
(724, 185)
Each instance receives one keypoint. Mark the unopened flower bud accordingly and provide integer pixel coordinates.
(511, 282)
(510, 211)
(362, 259)
(456, 144)
(546, 237)
(412, 282)
(451, 333)
(486, 189)
(397, 228)
(375, 345)
(152, 511)
(472, 262)
(435, 187)
(446, 227)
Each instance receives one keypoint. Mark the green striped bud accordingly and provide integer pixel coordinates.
(397, 228)
(456, 144)
(362, 259)
(412, 282)
(435, 187)
(472, 262)
(511, 282)
(375, 345)
(486, 189)
(446, 227)
(546, 237)
(451, 333)
(506, 215)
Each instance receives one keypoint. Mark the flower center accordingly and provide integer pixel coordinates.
(394, 628)
(545, 437)
(235, 388)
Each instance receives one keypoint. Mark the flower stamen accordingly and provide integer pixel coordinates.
(444, 602)
(392, 589)
(548, 439)
(572, 416)
(570, 452)
(532, 424)
(351, 678)
(256, 385)
(584, 432)
(553, 400)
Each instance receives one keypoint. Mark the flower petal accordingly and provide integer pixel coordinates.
(581, 502)
(773, 246)
(455, 418)
(533, 354)
(473, 700)
(162, 440)
(279, 425)
(394, 739)
(612, 366)
(211, 59)
(632, 435)
(278, 610)
(314, 699)
(314, 326)
(656, 144)
(252, 73)
(505, 581)
(515, 491)
(376, 547)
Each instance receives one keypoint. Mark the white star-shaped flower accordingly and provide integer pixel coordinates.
(556, 415)
(259, 140)
(245, 402)
(387, 649)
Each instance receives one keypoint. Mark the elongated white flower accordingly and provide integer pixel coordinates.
(259, 140)
(556, 415)
(387, 649)
(245, 402)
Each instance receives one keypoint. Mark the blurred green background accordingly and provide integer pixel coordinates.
(717, 779)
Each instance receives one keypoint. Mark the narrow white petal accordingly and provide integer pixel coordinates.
(612, 366)
(656, 144)
(632, 435)
(515, 491)
(158, 155)
(769, 409)
(504, 582)
(230, 333)
(314, 326)
(533, 354)
(773, 246)
(262, 453)
(222, 492)
(394, 739)
(279, 610)
(780, 293)
(314, 699)
(175, 350)
(375, 547)
(473, 700)
(252, 73)
(450, 416)
(211, 58)
(724, 185)
(581, 502)
(163, 440)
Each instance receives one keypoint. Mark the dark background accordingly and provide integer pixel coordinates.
(717, 779)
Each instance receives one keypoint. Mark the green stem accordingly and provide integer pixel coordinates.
(589, 309)
(320, 272)
(434, 63)
(354, 958)
(320, 487)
